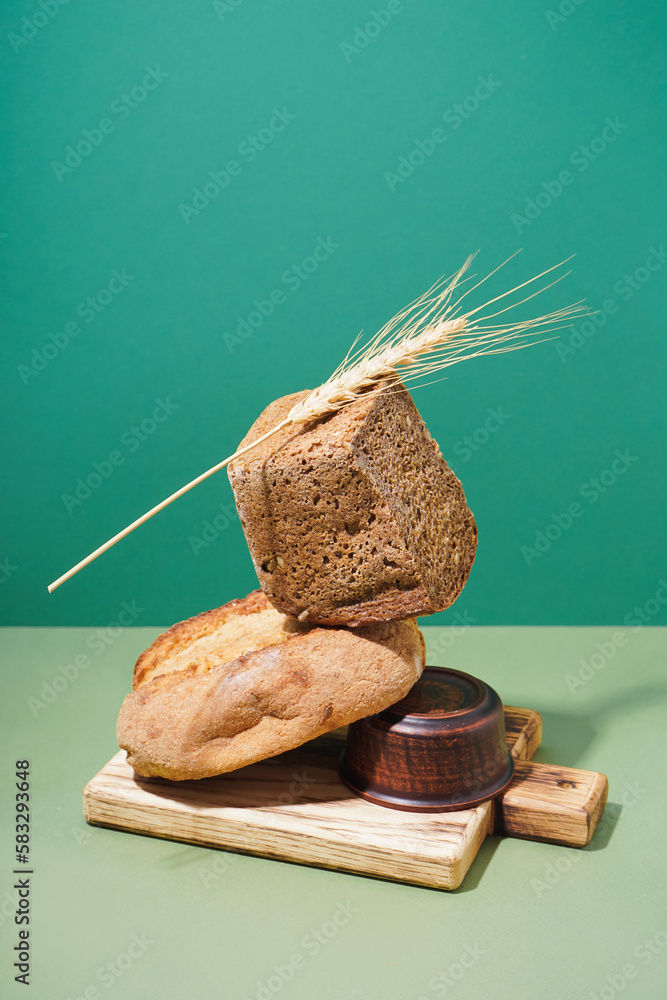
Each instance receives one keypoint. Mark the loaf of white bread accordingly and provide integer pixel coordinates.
(355, 522)
(244, 682)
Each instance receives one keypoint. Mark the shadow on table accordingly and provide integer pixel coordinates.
(605, 828)
(477, 870)
(567, 736)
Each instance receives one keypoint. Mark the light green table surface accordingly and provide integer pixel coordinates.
(531, 920)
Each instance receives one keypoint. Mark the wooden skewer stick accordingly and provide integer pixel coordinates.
(154, 510)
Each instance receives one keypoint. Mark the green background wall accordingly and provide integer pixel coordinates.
(353, 102)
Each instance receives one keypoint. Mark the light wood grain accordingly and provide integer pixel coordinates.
(523, 731)
(547, 802)
(294, 807)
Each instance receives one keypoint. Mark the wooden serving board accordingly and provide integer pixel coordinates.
(294, 807)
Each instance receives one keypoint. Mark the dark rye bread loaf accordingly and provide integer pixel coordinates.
(243, 682)
(357, 518)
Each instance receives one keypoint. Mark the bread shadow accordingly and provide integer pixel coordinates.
(303, 776)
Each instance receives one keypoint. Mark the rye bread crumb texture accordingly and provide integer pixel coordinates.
(244, 682)
(357, 518)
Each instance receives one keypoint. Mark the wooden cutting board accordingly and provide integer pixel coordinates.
(294, 807)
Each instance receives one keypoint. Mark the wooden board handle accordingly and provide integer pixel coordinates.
(547, 802)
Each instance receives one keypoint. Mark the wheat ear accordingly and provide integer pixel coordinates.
(431, 334)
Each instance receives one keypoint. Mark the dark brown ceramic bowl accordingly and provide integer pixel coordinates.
(442, 747)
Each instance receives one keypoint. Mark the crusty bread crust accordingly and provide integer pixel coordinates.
(196, 711)
(187, 639)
